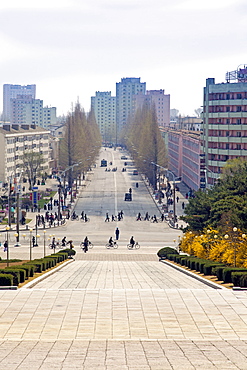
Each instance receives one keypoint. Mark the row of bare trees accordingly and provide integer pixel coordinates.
(143, 140)
(81, 142)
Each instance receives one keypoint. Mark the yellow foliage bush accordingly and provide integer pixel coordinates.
(229, 249)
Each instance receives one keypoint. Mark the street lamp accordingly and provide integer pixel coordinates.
(233, 241)
(30, 244)
(44, 231)
(7, 228)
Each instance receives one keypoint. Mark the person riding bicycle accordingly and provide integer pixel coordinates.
(53, 243)
(63, 241)
(111, 242)
(85, 244)
(132, 242)
(74, 215)
(82, 215)
(85, 218)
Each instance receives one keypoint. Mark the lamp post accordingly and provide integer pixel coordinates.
(7, 228)
(233, 241)
(44, 231)
(30, 244)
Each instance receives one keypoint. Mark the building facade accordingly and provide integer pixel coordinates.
(14, 141)
(125, 90)
(224, 134)
(162, 106)
(104, 107)
(184, 155)
(10, 92)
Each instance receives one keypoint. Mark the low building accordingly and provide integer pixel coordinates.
(14, 140)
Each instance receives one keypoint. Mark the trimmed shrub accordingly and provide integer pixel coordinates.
(171, 257)
(236, 276)
(163, 252)
(52, 261)
(218, 271)
(6, 280)
(72, 252)
(178, 257)
(243, 281)
(15, 273)
(21, 271)
(227, 272)
(29, 270)
(37, 266)
(207, 268)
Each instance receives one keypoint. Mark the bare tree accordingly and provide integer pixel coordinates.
(32, 166)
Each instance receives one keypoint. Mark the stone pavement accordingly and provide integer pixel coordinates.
(129, 314)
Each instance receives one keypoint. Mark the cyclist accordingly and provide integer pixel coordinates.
(53, 243)
(111, 242)
(82, 215)
(85, 218)
(132, 242)
(85, 244)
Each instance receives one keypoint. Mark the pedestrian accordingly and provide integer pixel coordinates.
(107, 219)
(183, 205)
(177, 199)
(5, 246)
(117, 232)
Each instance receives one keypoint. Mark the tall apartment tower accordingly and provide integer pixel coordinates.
(161, 102)
(11, 92)
(125, 90)
(104, 107)
(224, 129)
(26, 110)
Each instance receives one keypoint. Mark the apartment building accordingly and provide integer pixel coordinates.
(11, 91)
(125, 90)
(161, 102)
(104, 107)
(224, 130)
(14, 140)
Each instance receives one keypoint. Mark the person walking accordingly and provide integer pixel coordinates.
(5, 246)
(117, 232)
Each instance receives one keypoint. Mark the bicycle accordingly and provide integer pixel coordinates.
(113, 246)
(90, 245)
(135, 246)
(73, 218)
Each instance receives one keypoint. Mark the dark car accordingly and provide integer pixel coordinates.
(128, 197)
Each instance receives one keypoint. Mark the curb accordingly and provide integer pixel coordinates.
(199, 278)
(32, 283)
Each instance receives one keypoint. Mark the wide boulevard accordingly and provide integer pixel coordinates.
(119, 308)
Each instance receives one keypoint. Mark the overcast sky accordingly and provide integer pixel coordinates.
(72, 48)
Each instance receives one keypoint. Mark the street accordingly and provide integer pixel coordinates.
(117, 308)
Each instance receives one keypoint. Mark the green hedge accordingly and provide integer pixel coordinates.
(239, 279)
(163, 252)
(6, 280)
(21, 271)
(208, 267)
(227, 272)
(71, 252)
(15, 273)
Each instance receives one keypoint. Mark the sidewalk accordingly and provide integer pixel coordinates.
(52, 184)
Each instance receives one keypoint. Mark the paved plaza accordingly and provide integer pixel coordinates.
(119, 309)
(123, 313)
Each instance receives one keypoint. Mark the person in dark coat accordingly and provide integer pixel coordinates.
(117, 232)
